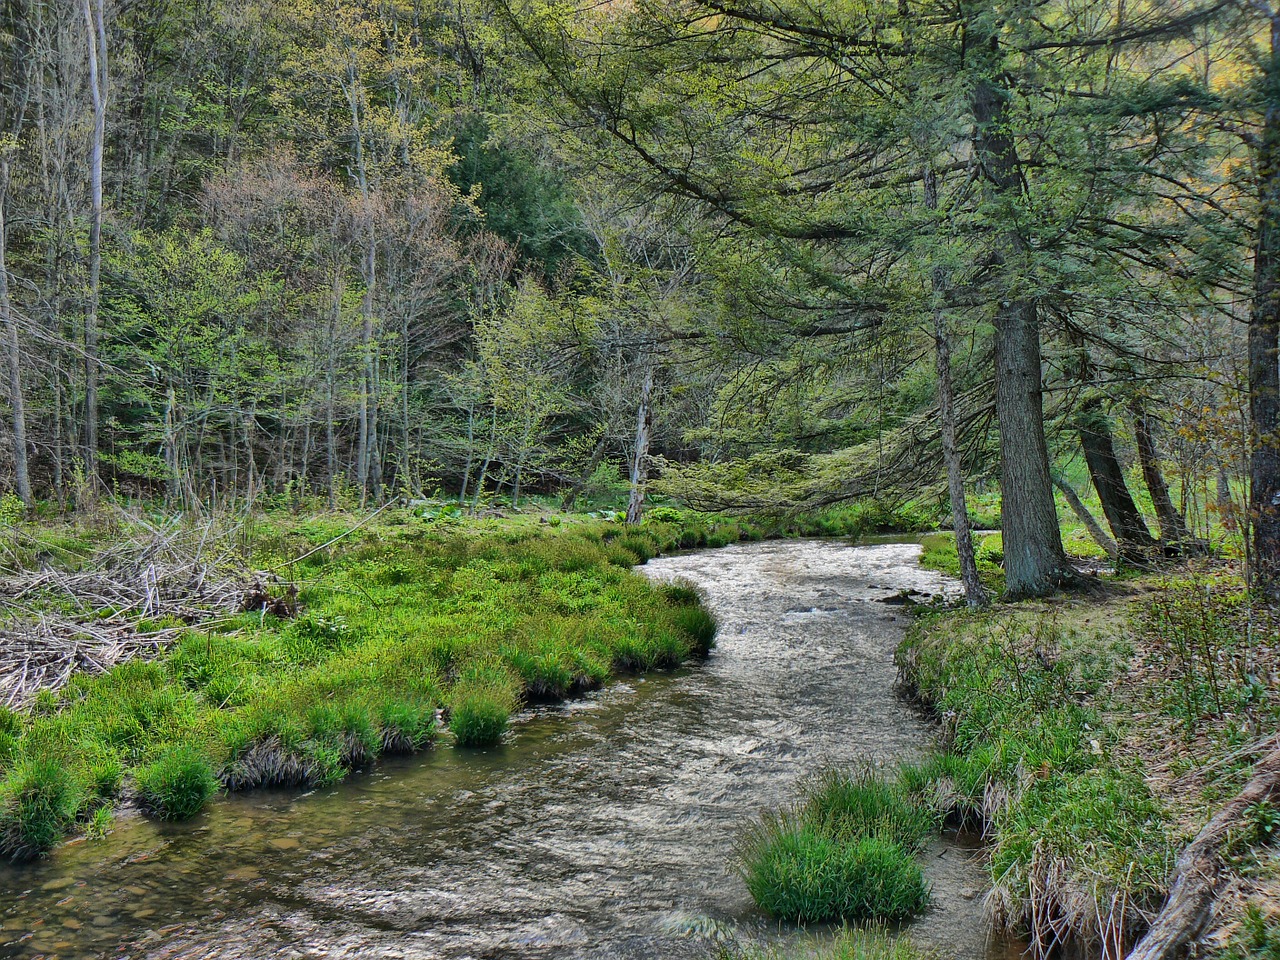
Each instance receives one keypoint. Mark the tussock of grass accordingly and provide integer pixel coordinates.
(39, 801)
(797, 871)
(845, 852)
(481, 703)
(177, 785)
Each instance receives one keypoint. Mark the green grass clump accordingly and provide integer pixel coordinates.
(865, 942)
(1030, 756)
(850, 806)
(796, 871)
(845, 852)
(481, 704)
(39, 801)
(178, 784)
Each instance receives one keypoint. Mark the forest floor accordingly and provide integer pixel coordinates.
(1092, 737)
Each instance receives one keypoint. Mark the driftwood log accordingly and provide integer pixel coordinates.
(1198, 874)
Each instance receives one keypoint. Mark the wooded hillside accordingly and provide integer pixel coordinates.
(805, 253)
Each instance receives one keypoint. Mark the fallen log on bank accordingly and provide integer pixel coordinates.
(1199, 873)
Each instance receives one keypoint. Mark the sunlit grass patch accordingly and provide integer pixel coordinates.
(481, 704)
(401, 623)
(178, 784)
(39, 801)
(797, 871)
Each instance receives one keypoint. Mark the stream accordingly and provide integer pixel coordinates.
(603, 828)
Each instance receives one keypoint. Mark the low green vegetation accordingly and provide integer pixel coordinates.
(405, 628)
(939, 553)
(850, 943)
(1055, 720)
(845, 852)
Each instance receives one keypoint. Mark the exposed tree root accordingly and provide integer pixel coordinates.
(1199, 872)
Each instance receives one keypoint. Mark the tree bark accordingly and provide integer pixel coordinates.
(13, 355)
(1123, 516)
(96, 30)
(974, 592)
(1173, 528)
(1264, 343)
(640, 460)
(1035, 563)
(1088, 519)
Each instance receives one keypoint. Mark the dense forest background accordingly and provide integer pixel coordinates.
(789, 254)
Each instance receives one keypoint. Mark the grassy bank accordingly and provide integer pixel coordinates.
(1090, 739)
(357, 636)
(404, 629)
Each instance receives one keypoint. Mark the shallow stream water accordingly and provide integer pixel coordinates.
(602, 828)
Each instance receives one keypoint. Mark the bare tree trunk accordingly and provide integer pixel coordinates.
(1173, 527)
(1034, 560)
(640, 459)
(171, 447)
(13, 351)
(488, 459)
(1264, 344)
(1124, 518)
(95, 27)
(1226, 503)
(974, 592)
(1088, 519)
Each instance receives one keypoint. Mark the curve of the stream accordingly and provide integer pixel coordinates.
(604, 828)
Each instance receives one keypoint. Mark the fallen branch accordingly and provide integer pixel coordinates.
(1199, 871)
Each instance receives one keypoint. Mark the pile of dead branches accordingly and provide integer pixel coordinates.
(130, 599)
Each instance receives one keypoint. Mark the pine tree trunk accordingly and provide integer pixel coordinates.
(13, 356)
(1123, 516)
(1090, 522)
(1034, 561)
(1173, 528)
(974, 592)
(1264, 345)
